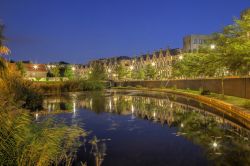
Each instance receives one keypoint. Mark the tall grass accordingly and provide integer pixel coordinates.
(70, 86)
(24, 142)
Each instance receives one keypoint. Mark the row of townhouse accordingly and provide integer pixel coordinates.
(161, 60)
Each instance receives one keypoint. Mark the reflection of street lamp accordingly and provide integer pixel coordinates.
(132, 109)
(215, 145)
(212, 46)
(36, 116)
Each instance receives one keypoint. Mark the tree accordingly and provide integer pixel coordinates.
(20, 68)
(150, 72)
(69, 72)
(232, 45)
(122, 72)
(55, 71)
(138, 74)
(3, 49)
(98, 72)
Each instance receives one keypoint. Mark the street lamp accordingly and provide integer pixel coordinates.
(212, 46)
(35, 67)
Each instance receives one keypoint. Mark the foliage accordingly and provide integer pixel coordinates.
(122, 71)
(22, 92)
(3, 49)
(3, 67)
(138, 74)
(98, 72)
(70, 86)
(69, 73)
(197, 65)
(230, 55)
(20, 67)
(150, 72)
(55, 71)
(26, 143)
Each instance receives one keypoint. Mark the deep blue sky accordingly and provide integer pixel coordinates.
(80, 30)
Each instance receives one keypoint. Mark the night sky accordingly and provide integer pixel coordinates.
(77, 31)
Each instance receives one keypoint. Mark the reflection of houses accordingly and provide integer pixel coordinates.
(35, 71)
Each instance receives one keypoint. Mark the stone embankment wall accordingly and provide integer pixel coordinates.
(239, 87)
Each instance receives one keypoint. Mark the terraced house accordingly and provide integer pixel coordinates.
(160, 61)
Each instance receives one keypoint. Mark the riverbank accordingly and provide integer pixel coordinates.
(226, 105)
(69, 86)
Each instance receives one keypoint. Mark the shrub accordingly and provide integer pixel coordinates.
(246, 104)
(174, 87)
(205, 92)
(138, 86)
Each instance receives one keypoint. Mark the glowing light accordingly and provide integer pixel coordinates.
(49, 66)
(90, 72)
(109, 70)
(131, 67)
(132, 109)
(180, 57)
(35, 67)
(36, 116)
(212, 46)
(74, 107)
(154, 114)
(215, 145)
(73, 68)
(110, 105)
(182, 125)
(171, 105)
(153, 64)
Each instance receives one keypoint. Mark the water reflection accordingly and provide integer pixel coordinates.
(223, 141)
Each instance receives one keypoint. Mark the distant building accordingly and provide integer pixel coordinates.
(162, 60)
(192, 43)
(35, 71)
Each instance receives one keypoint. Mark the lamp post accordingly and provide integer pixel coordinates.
(180, 57)
(212, 46)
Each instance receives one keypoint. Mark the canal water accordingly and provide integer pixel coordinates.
(135, 128)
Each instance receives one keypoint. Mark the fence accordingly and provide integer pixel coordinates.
(239, 87)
